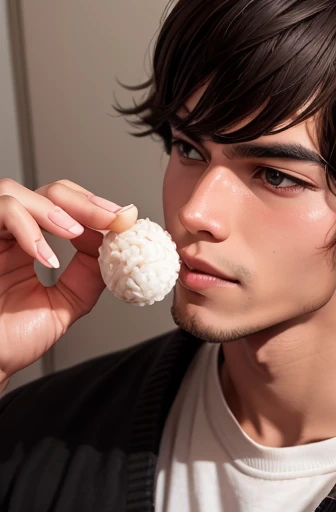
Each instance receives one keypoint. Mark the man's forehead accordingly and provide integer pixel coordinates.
(195, 97)
(305, 132)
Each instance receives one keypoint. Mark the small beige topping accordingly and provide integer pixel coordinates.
(140, 265)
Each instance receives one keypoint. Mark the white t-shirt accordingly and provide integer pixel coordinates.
(208, 464)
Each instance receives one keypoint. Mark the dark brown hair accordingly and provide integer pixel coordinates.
(273, 57)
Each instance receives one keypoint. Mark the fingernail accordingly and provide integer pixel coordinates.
(76, 229)
(122, 210)
(46, 253)
(63, 220)
(105, 204)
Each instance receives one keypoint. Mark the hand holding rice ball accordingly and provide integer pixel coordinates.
(138, 261)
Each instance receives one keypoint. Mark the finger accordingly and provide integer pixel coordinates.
(48, 215)
(90, 210)
(81, 284)
(15, 219)
(69, 184)
(51, 216)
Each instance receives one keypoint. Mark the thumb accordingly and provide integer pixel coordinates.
(81, 283)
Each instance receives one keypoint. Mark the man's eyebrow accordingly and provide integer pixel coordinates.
(290, 151)
(286, 151)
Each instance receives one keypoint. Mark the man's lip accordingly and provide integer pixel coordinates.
(201, 265)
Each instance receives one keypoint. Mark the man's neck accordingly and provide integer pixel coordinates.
(281, 386)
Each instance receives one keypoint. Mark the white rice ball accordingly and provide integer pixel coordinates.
(140, 265)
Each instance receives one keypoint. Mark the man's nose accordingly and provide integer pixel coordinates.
(210, 208)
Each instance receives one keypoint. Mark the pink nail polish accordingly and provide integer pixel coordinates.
(44, 251)
(63, 220)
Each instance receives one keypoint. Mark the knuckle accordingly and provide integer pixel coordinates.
(6, 186)
(65, 182)
(9, 202)
(54, 191)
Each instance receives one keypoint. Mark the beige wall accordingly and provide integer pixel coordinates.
(10, 151)
(11, 147)
(74, 50)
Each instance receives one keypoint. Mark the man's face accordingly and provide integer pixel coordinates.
(223, 209)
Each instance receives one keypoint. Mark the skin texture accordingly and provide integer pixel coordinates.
(277, 327)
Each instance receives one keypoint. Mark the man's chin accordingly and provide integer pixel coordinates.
(202, 323)
(193, 323)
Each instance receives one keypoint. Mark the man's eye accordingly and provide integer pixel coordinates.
(186, 150)
(278, 180)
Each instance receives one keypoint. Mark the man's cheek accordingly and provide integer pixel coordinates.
(170, 207)
(166, 193)
(172, 193)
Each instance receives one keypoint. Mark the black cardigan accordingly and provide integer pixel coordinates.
(86, 439)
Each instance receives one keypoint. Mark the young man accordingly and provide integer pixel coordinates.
(236, 410)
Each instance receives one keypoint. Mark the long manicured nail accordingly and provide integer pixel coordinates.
(105, 204)
(63, 220)
(44, 251)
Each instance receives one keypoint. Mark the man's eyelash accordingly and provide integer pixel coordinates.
(177, 142)
(260, 169)
(304, 184)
